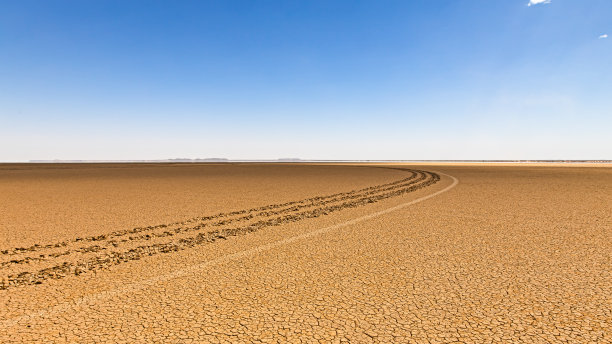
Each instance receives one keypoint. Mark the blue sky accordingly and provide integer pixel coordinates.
(427, 79)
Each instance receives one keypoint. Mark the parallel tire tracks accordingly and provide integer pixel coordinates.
(23, 266)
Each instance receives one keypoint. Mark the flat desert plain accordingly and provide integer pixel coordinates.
(330, 253)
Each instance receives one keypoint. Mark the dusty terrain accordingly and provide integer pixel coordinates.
(305, 253)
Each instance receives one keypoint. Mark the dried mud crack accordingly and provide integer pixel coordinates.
(22, 266)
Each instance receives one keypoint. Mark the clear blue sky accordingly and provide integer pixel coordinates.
(429, 79)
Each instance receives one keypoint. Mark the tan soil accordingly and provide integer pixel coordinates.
(511, 254)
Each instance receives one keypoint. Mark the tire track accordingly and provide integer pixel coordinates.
(199, 220)
(43, 252)
(140, 285)
(59, 260)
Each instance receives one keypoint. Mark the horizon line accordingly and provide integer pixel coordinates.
(298, 160)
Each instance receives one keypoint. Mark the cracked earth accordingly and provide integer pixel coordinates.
(306, 253)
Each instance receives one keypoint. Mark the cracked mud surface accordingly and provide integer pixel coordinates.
(511, 254)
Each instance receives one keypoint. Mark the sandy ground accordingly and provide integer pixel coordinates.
(326, 254)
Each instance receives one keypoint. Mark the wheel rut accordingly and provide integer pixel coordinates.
(24, 266)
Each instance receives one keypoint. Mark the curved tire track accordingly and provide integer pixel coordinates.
(134, 287)
(38, 263)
